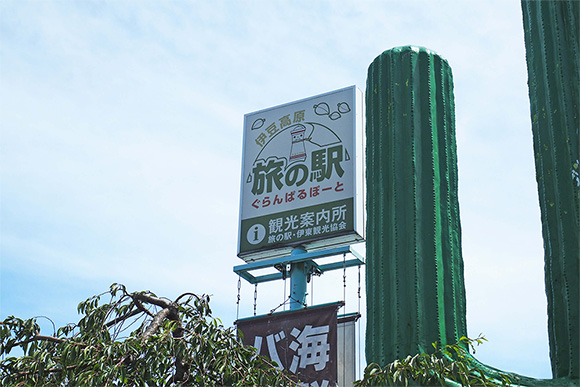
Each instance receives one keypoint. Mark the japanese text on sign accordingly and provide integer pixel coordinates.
(301, 342)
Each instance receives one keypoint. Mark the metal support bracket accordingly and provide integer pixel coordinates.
(281, 264)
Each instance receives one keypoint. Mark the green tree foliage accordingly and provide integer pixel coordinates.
(451, 365)
(133, 339)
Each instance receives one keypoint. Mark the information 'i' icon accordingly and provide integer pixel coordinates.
(256, 234)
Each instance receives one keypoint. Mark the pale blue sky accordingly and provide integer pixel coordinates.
(121, 134)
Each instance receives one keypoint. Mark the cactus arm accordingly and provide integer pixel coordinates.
(551, 31)
(415, 286)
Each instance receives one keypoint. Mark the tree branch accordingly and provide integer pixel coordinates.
(186, 294)
(122, 318)
(141, 307)
(156, 323)
(45, 338)
(151, 299)
(169, 311)
(50, 371)
(180, 368)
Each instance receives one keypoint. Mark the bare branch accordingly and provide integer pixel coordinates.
(169, 311)
(117, 303)
(151, 299)
(156, 323)
(180, 368)
(140, 306)
(122, 318)
(186, 294)
(46, 338)
(49, 371)
(49, 338)
(49, 319)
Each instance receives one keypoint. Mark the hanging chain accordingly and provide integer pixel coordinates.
(255, 298)
(284, 303)
(311, 290)
(358, 328)
(344, 279)
(359, 296)
(344, 327)
(238, 302)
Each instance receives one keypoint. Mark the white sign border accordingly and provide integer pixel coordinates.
(359, 198)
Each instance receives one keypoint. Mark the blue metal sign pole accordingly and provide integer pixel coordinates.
(280, 263)
(298, 280)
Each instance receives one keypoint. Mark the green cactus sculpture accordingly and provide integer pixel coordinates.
(415, 285)
(551, 30)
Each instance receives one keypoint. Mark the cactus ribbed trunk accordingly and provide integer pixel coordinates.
(415, 285)
(551, 30)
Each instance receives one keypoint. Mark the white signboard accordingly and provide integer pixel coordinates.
(302, 176)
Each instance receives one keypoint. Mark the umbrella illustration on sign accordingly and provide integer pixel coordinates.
(305, 137)
(294, 143)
